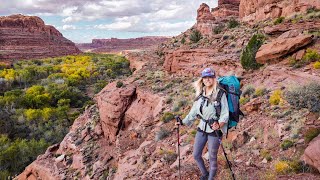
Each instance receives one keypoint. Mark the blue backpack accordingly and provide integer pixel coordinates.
(230, 85)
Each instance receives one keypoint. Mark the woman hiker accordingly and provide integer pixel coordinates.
(203, 106)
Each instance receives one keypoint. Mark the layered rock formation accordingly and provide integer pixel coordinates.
(121, 120)
(118, 45)
(207, 20)
(27, 37)
(257, 10)
(226, 8)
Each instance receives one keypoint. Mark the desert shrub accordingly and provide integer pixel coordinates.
(233, 23)
(161, 134)
(195, 36)
(312, 10)
(182, 103)
(311, 56)
(260, 91)
(289, 166)
(218, 29)
(266, 154)
(282, 167)
(244, 100)
(247, 59)
(99, 86)
(279, 20)
(305, 97)
(169, 156)
(316, 65)
(183, 40)
(310, 134)
(286, 144)
(169, 100)
(275, 97)
(167, 116)
(296, 63)
(119, 84)
(248, 91)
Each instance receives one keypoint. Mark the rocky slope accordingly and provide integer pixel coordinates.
(257, 10)
(27, 37)
(129, 135)
(117, 45)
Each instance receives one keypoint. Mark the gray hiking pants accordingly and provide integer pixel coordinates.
(213, 147)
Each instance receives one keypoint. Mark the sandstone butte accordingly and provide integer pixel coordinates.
(119, 131)
(27, 37)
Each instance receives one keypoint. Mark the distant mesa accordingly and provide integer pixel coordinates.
(27, 37)
(115, 45)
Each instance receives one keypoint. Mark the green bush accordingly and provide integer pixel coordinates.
(233, 23)
(218, 29)
(279, 20)
(167, 116)
(305, 97)
(183, 40)
(247, 59)
(16, 155)
(311, 56)
(195, 36)
(119, 84)
(310, 134)
(286, 144)
(312, 10)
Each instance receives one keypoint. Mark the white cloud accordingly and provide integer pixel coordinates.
(68, 27)
(167, 17)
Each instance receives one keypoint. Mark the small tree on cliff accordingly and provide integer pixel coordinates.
(248, 55)
(195, 36)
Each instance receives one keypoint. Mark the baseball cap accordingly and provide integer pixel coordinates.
(208, 72)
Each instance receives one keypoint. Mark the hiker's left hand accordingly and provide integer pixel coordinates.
(215, 126)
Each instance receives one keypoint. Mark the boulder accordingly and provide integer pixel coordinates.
(113, 103)
(311, 153)
(282, 46)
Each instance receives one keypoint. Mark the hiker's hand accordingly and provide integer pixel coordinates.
(215, 126)
(177, 124)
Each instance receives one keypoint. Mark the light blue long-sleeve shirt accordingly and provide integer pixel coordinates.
(209, 112)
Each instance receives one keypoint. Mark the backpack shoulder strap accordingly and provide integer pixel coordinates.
(221, 90)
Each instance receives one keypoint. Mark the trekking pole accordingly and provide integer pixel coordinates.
(224, 152)
(178, 119)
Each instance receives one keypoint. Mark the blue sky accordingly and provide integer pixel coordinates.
(82, 20)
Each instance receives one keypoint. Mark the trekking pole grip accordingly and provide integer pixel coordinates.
(178, 119)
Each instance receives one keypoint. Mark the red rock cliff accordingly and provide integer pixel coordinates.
(226, 8)
(27, 37)
(256, 10)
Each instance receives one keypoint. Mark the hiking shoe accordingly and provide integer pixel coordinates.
(204, 177)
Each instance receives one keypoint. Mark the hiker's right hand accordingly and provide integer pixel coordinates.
(177, 124)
